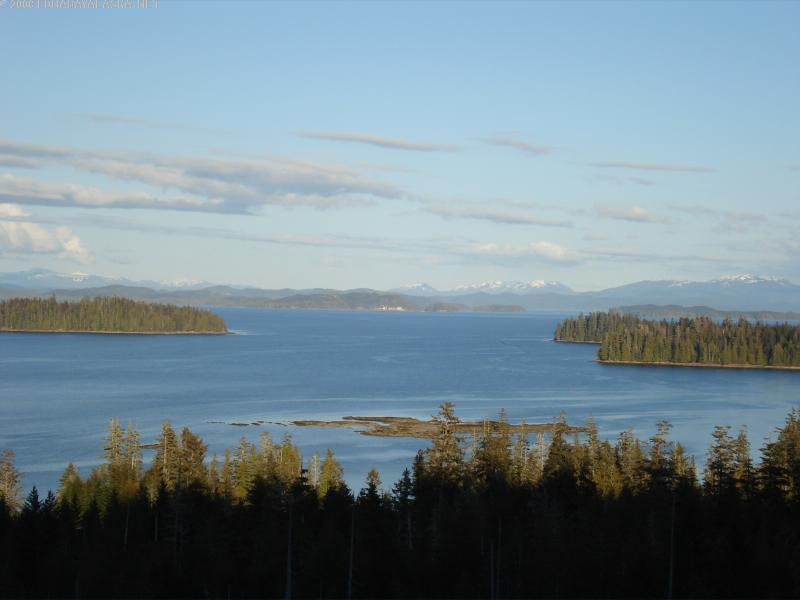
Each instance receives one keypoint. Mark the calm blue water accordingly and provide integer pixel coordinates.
(57, 391)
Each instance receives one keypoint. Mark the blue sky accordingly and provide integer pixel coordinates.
(380, 144)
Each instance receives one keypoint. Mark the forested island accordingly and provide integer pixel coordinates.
(685, 342)
(106, 315)
(485, 516)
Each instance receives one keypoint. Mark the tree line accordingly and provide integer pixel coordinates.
(593, 327)
(628, 338)
(105, 314)
(491, 515)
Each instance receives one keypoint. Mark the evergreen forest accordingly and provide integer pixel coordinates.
(698, 341)
(107, 315)
(494, 516)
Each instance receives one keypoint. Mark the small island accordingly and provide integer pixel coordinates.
(410, 427)
(106, 315)
(698, 342)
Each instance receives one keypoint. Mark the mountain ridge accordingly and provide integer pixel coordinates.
(734, 292)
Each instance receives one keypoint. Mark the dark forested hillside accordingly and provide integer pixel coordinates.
(498, 516)
(105, 314)
(699, 341)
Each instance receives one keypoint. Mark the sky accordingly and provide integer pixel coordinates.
(382, 144)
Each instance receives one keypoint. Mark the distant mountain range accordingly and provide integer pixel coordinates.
(45, 279)
(734, 293)
(672, 311)
(535, 286)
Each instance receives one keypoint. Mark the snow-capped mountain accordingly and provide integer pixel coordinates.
(417, 289)
(534, 286)
(731, 292)
(45, 279)
(747, 279)
(513, 287)
(184, 283)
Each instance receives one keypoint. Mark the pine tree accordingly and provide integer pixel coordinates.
(493, 459)
(166, 463)
(192, 458)
(403, 499)
(446, 456)
(331, 476)
(718, 477)
(370, 492)
(132, 451)
(70, 486)
(114, 450)
(743, 473)
(244, 470)
(660, 459)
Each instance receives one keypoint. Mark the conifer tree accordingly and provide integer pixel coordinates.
(166, 463)
(212, 476)
(370, 492)
(132, 450)
(403, 498)
(70, 486)
(661, 455)
(244, 470)
(227, 478)
(743, 473)
(331, 476)
(114, 449)
(719, 474)
(291, 462)
(779, 471)
(192, 455)
(446, 456)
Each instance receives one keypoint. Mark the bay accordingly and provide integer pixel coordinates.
(57, 391)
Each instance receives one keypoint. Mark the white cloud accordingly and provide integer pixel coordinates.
(643, 166)
(379, 141)
(237, 185)
(523, 146)
(728, 221)
(635, 214)
(12, 210)
(543, 249)
(28, 191)
(623, 180)
(71, 245)
(122, 120)
(634, 255)
(494, 215)
(29, 238)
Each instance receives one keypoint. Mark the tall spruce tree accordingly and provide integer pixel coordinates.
(446, 456)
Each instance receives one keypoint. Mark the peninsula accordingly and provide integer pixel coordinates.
(698, 342)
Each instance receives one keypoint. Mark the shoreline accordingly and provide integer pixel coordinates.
(575, 342)
(86, 332)
(639, 363)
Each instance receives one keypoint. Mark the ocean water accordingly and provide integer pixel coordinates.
(57, 391)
